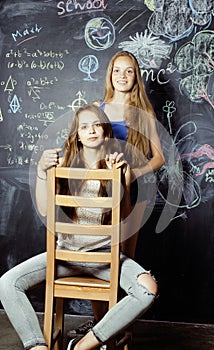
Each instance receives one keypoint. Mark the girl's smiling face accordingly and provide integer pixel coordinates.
(90, 130)
(123, 74)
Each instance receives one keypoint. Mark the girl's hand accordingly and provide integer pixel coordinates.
(113, 159)
(48, 159)
(116, 158)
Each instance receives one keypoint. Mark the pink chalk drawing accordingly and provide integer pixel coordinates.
(204, 150)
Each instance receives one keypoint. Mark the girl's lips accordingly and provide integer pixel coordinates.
(122, 82)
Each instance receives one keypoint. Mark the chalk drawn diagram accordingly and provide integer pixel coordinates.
(149, 50)
(34, 92)
(78, 102)
(176, 19)
(204, 150)
(194, 60)
(197, 159)
(88, 64)
(181, 183)
(14, 104)
(169, 109)
(99, 33)
(9, 84)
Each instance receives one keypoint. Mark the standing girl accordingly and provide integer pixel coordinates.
(133, 121)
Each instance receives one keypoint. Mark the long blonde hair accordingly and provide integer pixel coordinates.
(138, 113)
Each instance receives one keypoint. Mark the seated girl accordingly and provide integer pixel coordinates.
(90, 144)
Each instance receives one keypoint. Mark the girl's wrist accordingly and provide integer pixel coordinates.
(41, 178)
(41, 174)
(135, 173)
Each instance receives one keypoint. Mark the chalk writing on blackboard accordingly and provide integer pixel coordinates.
(26, 34)
(68, 8)
(36, 85)
(37, 59)
(31, 99)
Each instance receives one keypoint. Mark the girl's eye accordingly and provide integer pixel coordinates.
(83, 127)
(97, 125)
(130, 71)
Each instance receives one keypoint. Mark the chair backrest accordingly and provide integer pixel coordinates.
(55, 225)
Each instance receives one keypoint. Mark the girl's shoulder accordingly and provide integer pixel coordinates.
(98, 103)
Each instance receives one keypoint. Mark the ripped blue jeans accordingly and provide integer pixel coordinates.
(15, 283)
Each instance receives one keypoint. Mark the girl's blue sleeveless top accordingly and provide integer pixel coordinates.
(119, 128)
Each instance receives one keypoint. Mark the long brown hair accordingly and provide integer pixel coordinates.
(138, 113)
(73, 149)
(74, 157)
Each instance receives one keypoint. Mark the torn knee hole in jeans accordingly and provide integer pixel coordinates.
(150, 285)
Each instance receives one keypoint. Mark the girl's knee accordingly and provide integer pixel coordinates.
(3, 287)
(148, 282)
(7, 284)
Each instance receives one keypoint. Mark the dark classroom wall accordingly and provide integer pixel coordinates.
(53, 58)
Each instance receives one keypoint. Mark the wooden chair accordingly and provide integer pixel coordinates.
(82, 287)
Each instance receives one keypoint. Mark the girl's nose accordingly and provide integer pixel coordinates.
(91, 129)
(123, 72)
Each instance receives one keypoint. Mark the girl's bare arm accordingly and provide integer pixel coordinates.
(48, 159)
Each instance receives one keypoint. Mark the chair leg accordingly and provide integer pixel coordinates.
(48, 320)
(59, 324)
(111, 343)
(125, 342)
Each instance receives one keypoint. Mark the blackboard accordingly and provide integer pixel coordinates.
(53, 58)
